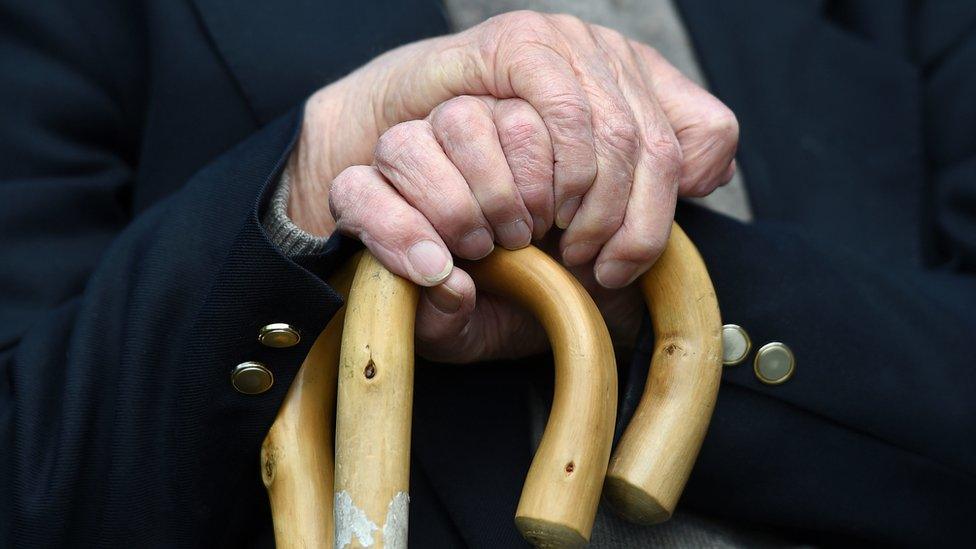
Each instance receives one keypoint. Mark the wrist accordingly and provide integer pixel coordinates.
(307, 198)
(336, 133)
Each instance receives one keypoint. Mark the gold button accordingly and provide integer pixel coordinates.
(735, 345)
(251, 378)
(279, 336)
(774, 363)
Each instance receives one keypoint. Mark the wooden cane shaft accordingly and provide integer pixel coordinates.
(647, 472)
(374, 406)
(297, 456)
(562, 489)
(655, 455)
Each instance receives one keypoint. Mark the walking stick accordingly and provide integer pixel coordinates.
(297, 455)
(655, 455)
(562, 488)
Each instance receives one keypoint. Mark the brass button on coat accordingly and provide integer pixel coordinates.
(774, 363)
(251, 378)
(279, 336)
(735, 345)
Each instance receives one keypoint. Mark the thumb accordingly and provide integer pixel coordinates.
(479, 329)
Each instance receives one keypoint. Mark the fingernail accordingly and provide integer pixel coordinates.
(538, 227)
(444, 298)
(615, 274)
(430, 261)
(514, 235)
(566, 211)
(476, 244)
(579, 253)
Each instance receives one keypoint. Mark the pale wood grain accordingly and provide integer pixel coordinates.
(562, 489)
(375, 402)
(655, 455)
(297, 456)
(646, 474)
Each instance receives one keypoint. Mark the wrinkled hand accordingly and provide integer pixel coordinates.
(604, 138)
(476, 166)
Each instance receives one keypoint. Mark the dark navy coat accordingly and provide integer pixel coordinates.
(138, 141)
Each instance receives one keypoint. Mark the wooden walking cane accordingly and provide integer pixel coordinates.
(658, 448)
(297, 455)
(562, 489)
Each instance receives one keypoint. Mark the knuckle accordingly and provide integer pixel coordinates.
(644, 250)
(532, 175)
(665, 156)
(709, 152)
(461, 116)
(724, 126)
(348, 182)
(517, 132)
(571, 110)
(524, 138)
(398, 141)
(350, 192)
(620, 134)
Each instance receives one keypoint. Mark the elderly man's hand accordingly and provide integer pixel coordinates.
(605, 136)
(629, 132)
(450, 181)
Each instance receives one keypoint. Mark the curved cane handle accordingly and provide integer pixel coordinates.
(658, 448)
(563, 485)
(558, 504)
(562, 489)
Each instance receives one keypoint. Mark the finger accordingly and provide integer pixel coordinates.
(410, 157)
(617, 140)
(650, 208)
(493, 330)
(706, 129)
(530, 59)
(528, 151)
(444, 310)
(365, 206)
(643, 235)
(466, 132)
(647, 221)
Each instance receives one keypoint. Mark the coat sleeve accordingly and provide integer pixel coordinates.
(874, 437)
(119, 330)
